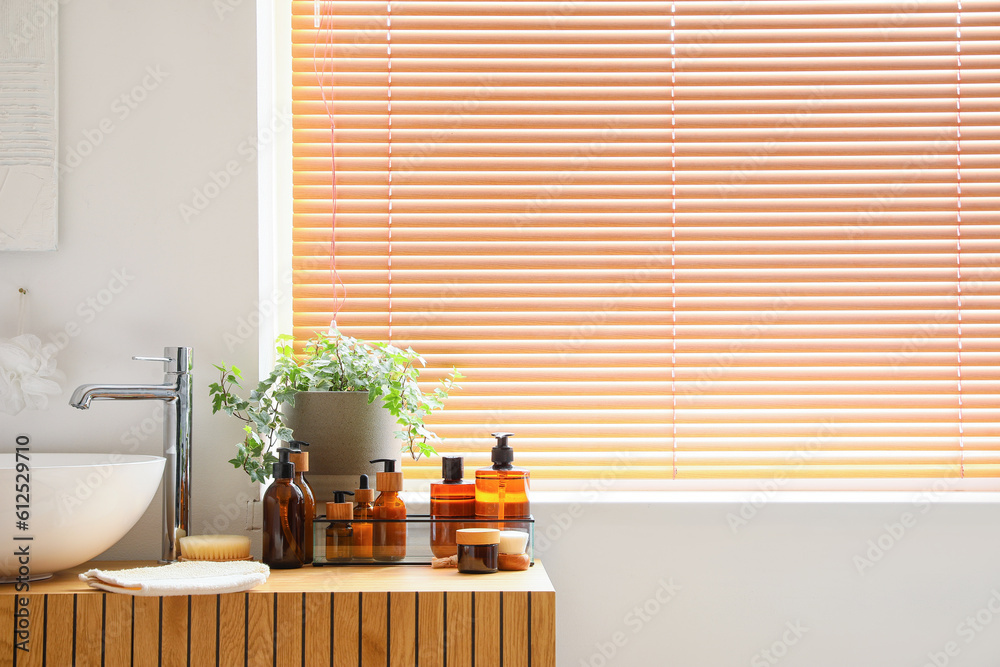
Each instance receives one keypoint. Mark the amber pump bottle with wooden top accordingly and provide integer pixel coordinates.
(389, 513)
(301, 461)
(339, 533)
(502, 489)
(283, 525)
(361, 541)
(452, 498)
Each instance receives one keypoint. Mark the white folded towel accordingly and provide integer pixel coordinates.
(185, 578)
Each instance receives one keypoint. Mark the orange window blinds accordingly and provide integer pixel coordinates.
(689, 239)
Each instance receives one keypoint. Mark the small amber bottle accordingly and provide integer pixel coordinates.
(361, 543)
(453, 498)
(389, 514)
(282, 508)
(502, 489)
(339, 533)
(301, 461)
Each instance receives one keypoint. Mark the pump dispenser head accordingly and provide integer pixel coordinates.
(364, 493)
(341, 496)
(340, 509)
(390, 464)
(297, 456)
(452, 469)
(389, 480)
(503, 455)
(283, 468)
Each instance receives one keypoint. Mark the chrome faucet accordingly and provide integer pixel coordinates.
(176, 392)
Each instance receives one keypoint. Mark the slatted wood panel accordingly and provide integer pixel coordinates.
(89, 625)
(117, 630)
(454, 628)
(232, 629)
(318, 629)
(430, 633)
(173, 629)
(60, 635)
(203, 628)
(145, 630)
(35, 634)
(7, 608)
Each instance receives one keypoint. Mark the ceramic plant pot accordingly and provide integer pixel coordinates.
(344, 432)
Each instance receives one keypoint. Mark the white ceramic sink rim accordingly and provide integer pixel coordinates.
(78, 460)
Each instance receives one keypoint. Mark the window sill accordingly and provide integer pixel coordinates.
(763, 497)
(756, 492)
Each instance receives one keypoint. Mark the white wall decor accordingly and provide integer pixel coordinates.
(28, 125)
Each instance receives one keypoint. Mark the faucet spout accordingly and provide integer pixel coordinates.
(86, 393)
(176, 392)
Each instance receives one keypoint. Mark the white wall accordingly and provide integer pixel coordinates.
(194, 283)
(867, 584)
(189, 81)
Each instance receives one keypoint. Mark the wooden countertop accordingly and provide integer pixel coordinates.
(332, 579)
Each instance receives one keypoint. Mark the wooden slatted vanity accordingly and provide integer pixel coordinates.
(356, 616)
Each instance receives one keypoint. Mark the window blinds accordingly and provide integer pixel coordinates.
(665, 240)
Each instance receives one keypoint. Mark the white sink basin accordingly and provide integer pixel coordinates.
(80, 505)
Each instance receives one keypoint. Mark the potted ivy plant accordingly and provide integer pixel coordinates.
(353, 401)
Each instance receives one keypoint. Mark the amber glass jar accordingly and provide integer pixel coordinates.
(478, 550)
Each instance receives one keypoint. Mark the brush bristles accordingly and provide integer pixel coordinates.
(215, 547)
(513, 541)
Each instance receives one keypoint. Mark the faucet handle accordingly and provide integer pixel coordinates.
(175, 359)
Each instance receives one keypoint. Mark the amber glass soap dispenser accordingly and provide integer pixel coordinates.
(361, 541)
(301, 461)
(502, 489)
(339, 533)
(283, 505)
(453, 498)
(388, 536)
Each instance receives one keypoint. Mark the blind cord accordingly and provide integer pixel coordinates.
(673, 239)
(958, 225)
(388, 49)
(328, 46)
